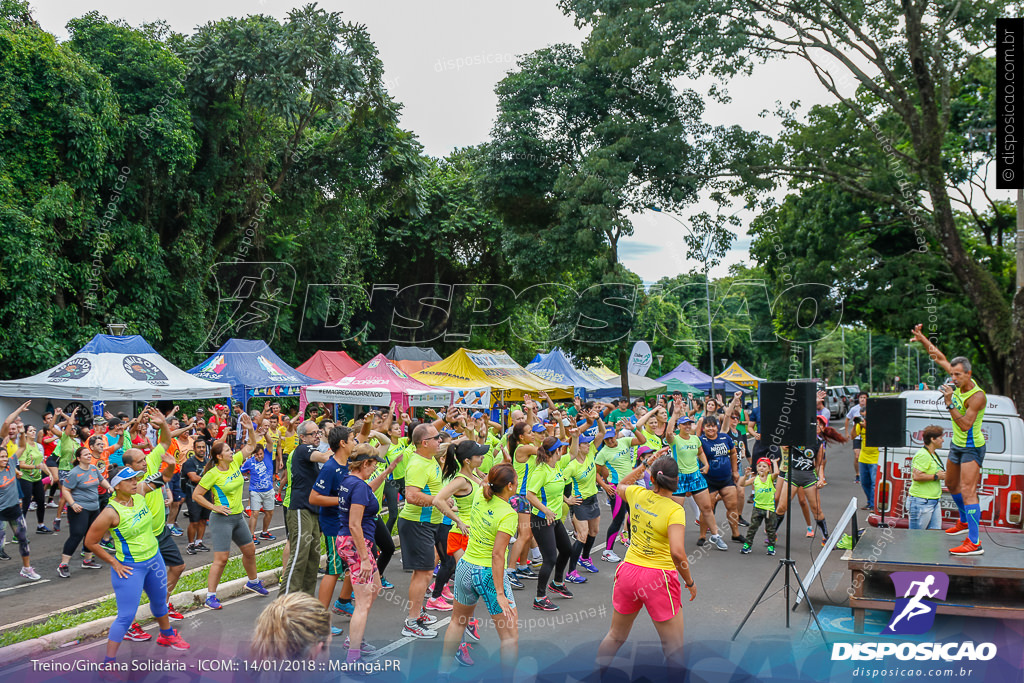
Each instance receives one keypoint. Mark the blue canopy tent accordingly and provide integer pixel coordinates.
(684, 372)
(557, 368)
(253, 370)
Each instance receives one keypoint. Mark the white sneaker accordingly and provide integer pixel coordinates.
(30, 574)
(51, 505)
(32, 505)
(609, 556)
(719, 543)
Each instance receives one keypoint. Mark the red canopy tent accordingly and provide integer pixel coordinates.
(328, 366)
(377, 383)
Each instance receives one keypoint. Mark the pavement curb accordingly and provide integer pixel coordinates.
(52, 641)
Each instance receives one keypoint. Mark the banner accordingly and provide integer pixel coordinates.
(640, 359)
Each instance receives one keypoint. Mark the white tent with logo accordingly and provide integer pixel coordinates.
(111, 368)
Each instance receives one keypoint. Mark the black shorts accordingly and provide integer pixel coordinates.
(196, 512)
(169, 549)
(417, 540)
(587, 509)
(175, 486)
(717, 486)
(52, 461)
(10, 514)
(802, 479)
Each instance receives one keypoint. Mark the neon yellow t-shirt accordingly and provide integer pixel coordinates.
(617, 458)
(650, 517)
(523, 471)
(134, 540)
(686, 453)
(226, 485)
(548, 484)
(583, 476)
(492, 455)
(155, 500)
(487, 518)
(424, 474)
(868, 454)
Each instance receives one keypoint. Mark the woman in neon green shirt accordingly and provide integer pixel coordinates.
(223, 477)
(138, 565)
(522, 448)
(581, 474)
(545, 494)
(928, 475)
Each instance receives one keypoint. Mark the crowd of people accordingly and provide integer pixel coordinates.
(485, 510)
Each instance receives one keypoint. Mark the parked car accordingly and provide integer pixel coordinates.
(836, 401)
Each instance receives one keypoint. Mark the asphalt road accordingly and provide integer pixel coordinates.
(556, 643)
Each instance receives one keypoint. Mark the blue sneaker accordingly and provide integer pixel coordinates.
(343, 607)
(266, 536)
(526, 573)
(335, 631)
(176, 530)
(212, 602)
(588, 564)
(514, 581)
(256, 587)
(384, 583)
(574, 577)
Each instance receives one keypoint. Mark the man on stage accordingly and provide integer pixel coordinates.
(966, 404)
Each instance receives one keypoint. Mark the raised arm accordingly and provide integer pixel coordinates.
(931, 349)
(14, 416)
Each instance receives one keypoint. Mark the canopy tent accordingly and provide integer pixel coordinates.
(556, 367)
(639, 387)
(602, 371)
(673, 385)
(328, 366)
(377, 383)
(685, 372)
(412, 359)
(253, 370)
(112, 368)
(737, 375)
(495, 369)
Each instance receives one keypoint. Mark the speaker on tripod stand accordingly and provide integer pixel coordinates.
(886, 427)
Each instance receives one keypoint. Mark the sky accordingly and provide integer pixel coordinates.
(443, 59)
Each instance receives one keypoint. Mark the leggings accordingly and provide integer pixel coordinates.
(78, 525)
(555, 548)
(17, 525)
(391, 500)
(385, 545)
(33, 490)
(149, 576)
(55, 491)
(619, 511)
(447, 569)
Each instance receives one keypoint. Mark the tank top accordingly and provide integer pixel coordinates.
(523, 470)
(972, 436)
(134, 540)
(464, 504)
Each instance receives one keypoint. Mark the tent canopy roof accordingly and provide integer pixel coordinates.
(639, 387)
(495, 369)
(416, 353)
(556, 367)
(378, 382)
(685, 372)
(252, 369)
(328, 365)
(736, 374)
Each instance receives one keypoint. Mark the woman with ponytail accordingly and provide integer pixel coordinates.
(649, 574)
(546, 496)
(482, 569)
(523, 450)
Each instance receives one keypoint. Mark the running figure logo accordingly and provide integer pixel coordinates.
(914, 613)
(250, 297)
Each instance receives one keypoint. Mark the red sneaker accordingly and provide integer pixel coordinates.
(136, 634)
(957, 529)
(173, 614)
(967, 548)
(173, 641)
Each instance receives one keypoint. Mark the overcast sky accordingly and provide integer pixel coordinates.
(443, 59)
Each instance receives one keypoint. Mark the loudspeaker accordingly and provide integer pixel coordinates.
(788, 413)
(887, 422)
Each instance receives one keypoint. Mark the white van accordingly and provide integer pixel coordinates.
(1001, 493)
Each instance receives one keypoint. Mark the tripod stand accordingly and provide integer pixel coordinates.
(790, 565)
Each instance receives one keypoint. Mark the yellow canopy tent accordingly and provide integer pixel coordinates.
(602, 371)
(737, 375)
(496, 369)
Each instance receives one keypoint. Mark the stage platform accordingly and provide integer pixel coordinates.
(989, 585)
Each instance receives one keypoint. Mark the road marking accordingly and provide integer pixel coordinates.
(391, 647)
(24, 585)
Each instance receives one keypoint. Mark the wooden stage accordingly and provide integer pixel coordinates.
(989, 585)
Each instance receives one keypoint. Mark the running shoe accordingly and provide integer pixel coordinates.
(771, 550)
(462, 656)
(136, 634)
(32, 505)
(335, 631)
(173, 614)
(365, 648)
(346, 608)
(56, 524)
(965, 548)
(256, 587)
(256, 539)
(63, 571)
(191, 549)
(173, 641)
(4, 555)
(43, 529)
(957, 529)
(701, 541)
(212, 602)
(439, 605)
(267, 536)
(738, 539)
(824, 540)
(51, 505)
(743, 522)
(514, 581)
(91, 564)
(447, 594)
(717, 541)
(609, 556)
(384, 583)
(415, 629)
(472, 631)
(588, 564)
(426, 619)
(176, 530)
(845, 543)
(107, 545)
(574, 577)
(810, 532)
(560, 589)
(544, 604)
(526, 573)
(29, 573)
(745, 549)
(856, 480)
(200, 547)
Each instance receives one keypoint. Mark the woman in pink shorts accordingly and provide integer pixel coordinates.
(649, 574)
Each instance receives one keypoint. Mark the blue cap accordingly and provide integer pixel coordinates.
(586, 438)
(539, 428)
(610, 434)
(124, 475)
(558, 444)
(451, 432)
(684, 421)
(477, 415)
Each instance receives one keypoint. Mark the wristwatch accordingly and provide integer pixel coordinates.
(935, 477)
(949, 406)
(689, 585)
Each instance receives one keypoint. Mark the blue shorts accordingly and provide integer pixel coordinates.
(692, 482)
(961, 454)
(473, 582)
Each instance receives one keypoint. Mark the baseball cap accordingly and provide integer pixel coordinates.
(684, 421)
(766, 461)
(539, 428)
(586, 438)
(558, 444)
(610, 434)
(450, 432)
(125, 474)
(99, 422)
(644, 450)
(468, 449)
(823, 419)
(477, 415)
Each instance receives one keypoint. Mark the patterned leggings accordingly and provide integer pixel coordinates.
(17, 524)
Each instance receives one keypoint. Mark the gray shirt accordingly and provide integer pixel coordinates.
(9, 494)
(84, 486)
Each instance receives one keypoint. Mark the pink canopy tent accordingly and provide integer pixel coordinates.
(328, 366)
(377, 383)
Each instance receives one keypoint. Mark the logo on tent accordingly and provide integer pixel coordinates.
(397, 371)
(214, 366)
(73, 368)
(270, 366)
(372, 364)
(144, 370)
